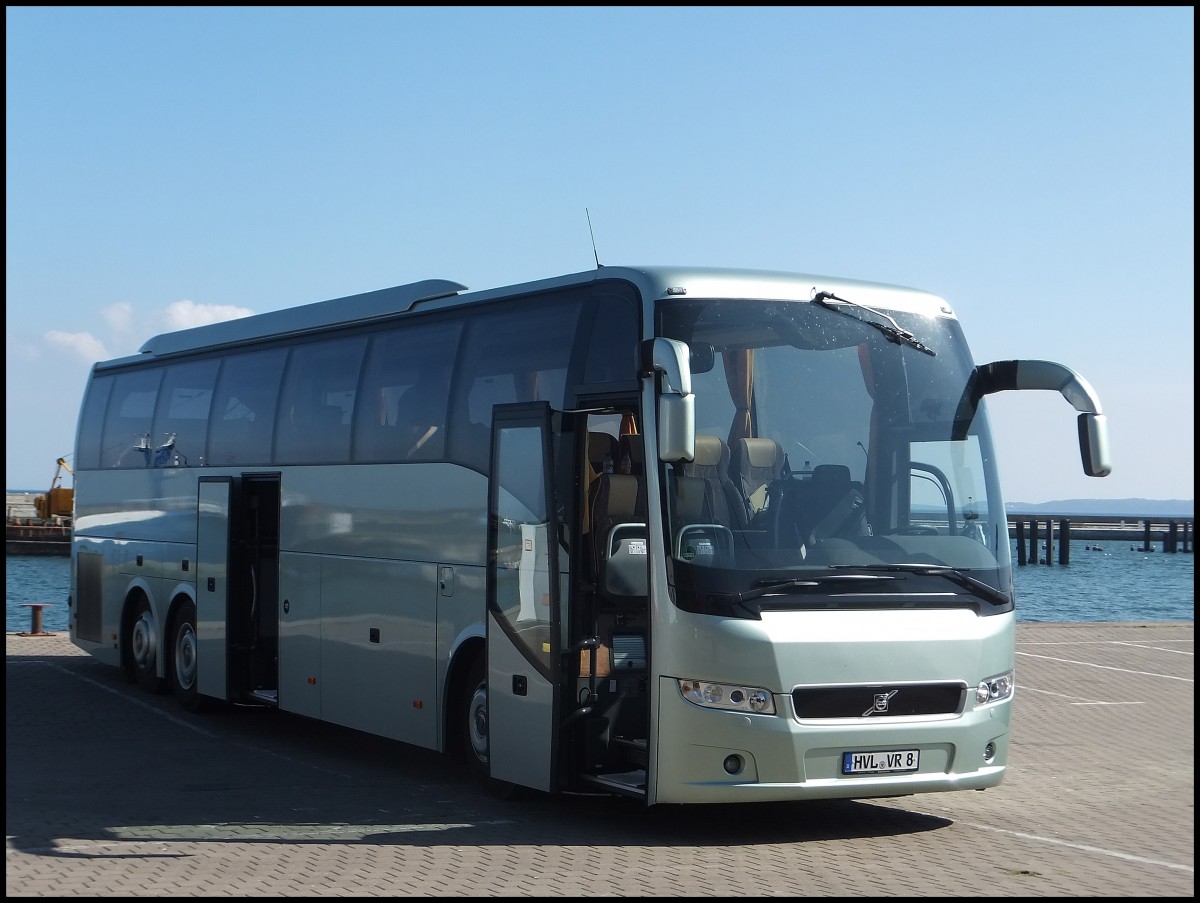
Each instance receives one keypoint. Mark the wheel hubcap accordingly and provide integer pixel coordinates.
(479, 724)
(185, 657)
(141, 641)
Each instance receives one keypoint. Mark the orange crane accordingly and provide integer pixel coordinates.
(59, 501)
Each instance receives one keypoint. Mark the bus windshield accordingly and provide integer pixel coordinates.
(841, 460)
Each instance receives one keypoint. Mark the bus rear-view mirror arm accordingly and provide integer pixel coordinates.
(1002, 376)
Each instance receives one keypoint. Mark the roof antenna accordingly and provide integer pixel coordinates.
(593, 234)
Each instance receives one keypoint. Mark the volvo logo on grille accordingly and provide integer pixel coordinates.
(880, 703)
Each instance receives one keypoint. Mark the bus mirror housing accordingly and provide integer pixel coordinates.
(1093, 445)
(676, 403)
(1001, 376)
(676, 427)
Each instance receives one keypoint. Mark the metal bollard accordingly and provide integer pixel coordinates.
(35, 610)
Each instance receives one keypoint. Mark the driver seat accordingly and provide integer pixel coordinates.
(758, 463)
(833, 505)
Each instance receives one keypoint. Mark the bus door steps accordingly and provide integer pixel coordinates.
(266, 697)
(628, 783)
(632, 750)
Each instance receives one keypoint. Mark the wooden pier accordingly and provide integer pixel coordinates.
(1170, 533)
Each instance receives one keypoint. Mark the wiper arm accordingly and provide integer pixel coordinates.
(803, 583)
(891, 328)
(954, 575)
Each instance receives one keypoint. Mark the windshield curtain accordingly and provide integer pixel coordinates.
(823, 447)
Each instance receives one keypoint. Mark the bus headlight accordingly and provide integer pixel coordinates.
(724, 696)
(994, 689)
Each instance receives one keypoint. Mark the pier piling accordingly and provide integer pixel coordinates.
(1174, 533)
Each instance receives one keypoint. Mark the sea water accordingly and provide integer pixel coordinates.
(1107, 581)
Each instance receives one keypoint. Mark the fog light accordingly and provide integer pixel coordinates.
(733, 764)
(989, 752)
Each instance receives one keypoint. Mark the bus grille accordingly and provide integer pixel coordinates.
(879, 700)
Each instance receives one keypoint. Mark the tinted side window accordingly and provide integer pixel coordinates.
(517, 352)
(317, 403)
(127, 440)
(91, 423)
(243, 411)
(181, 419)
(401, 411)
(612, 340)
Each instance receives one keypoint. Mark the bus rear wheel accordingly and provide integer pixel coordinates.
(142, 647)
(184, 662)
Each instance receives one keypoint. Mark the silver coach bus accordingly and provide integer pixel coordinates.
(687, 535)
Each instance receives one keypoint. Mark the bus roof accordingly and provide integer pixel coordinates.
(654, 282)
(305, 318)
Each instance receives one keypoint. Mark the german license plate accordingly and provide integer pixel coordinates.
(881, 761)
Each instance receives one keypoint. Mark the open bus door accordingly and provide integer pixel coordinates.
(232, 652)
(524, 634)
(212, 587)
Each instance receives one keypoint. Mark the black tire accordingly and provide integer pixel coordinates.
(184, 659)
(473, 718)
(141, 644)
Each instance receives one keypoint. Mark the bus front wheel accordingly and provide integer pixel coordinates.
(475, 735)
(475, 723)
(183, 665)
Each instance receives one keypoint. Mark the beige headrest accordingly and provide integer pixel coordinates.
(710, 450)
(760, 452)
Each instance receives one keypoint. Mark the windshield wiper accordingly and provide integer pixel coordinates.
(803, 583)
(891, 328)
(743, 604)
(954, 575)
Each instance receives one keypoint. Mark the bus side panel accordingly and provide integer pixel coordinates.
(87, 624)
(116, 514)
(300, 634)
(378, 664)
(409, 512)
(212, 566)
(108, 573)
(99, 589)
(137, 504)
(419, 532)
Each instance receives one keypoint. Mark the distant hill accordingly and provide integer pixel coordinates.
(1130, 507)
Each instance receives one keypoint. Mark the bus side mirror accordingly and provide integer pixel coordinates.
(1093, 445)
(676, 427)
(676, 403)
(1002, 376)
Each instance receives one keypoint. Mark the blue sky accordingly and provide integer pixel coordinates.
(169, 166)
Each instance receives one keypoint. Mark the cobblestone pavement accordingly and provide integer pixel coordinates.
(113, 792)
